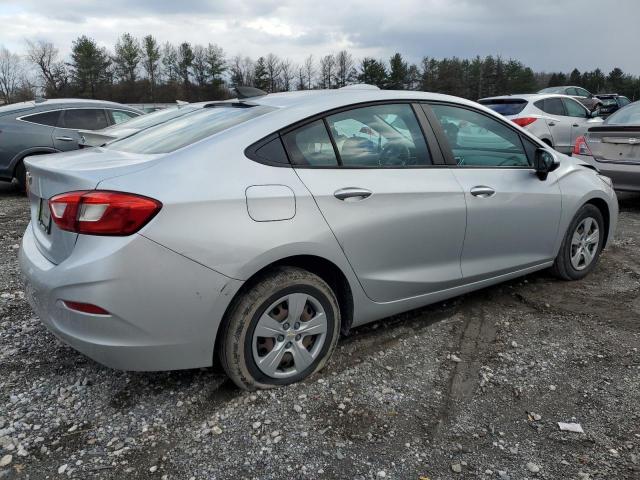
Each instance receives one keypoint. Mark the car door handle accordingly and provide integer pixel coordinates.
(352, 192)
(552, 124)
(65, 139)
(482, 191)
(575, 125)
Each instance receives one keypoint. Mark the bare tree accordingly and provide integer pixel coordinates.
(241, 71)
(287, 73)
(274, 68)
(45, 56)
(11, 70)
(309, 71)
(327, 69)
(345, 68)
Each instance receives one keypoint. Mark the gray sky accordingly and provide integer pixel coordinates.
(544, 34)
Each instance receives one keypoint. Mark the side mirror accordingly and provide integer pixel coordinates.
(545, 162)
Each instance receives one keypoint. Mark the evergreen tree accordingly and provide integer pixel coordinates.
(575, 78)
(398, 72)
(151, 61)
(89, 66)
(185, 62)
(261, 75)
(127, 58)
(372, 72)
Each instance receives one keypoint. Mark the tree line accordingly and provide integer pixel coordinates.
(141, 70)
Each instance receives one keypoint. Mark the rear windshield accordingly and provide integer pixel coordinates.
(552, 90)
(629, 115)
(188, 129)
(505, 107)
(154, 118)
(609, 101)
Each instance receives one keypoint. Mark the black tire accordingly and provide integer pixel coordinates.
(235, 347)
(20, 174)
(562, 267)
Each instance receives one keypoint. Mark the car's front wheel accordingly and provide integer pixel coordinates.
(582, 245)
(280, 331)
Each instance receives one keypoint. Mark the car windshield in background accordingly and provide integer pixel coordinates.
(608, 101)
(186, 130)
(505, 107)
(629, 115)
(552, 90)
(154, 118)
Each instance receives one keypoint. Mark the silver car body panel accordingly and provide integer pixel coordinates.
(417, 239)
(560, 131)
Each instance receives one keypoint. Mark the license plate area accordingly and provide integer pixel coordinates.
(44, 216)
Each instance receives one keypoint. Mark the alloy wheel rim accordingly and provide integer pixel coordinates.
(584, 243)
(289, 335)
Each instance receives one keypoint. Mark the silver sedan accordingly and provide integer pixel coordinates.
(258, 230)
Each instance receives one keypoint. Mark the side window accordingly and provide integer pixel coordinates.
(554, 106)
(574, 109)
(119, 116)
(573, 92)
(479, 140)
(379, 136)
(49, 119)
(311, 145)
(85, 119)
(623, 101)
(582, 92)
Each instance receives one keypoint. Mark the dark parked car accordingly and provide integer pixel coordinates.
(584, 96)
(611, 102)
(49, 126)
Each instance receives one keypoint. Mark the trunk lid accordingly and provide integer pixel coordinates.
(615, 143)
(49, 175)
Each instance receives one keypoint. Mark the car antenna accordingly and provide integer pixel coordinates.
(249, 92)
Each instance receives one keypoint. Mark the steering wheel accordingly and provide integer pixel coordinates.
(395, 153)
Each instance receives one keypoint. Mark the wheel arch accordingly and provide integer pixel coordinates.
(320, 266)
(601, 205)
(26, 153)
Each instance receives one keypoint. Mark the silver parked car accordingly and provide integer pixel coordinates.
(258, 231)
(50, 126)
(614, 148)
(97, 138)
(584, 96)
(557, 120)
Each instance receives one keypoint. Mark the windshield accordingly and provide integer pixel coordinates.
(151, 119)
(608, 101)
(183, 131)
(552, 90)
(629, 115)
(505, 107)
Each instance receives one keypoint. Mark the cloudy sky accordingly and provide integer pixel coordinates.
(545, 34)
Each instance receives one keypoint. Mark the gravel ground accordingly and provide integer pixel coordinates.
(471, 388)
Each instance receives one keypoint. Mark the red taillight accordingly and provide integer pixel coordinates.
(85, 308)
(96, 212)
(524, 121)
(581, 147)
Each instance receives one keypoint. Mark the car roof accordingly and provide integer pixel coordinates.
(531, 97)
(309, 102)
(52, 104)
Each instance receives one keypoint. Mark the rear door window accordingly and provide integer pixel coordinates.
(582, 92)
(120, 116)
(574, 109)
(573, 92)
(623, 101)
(379, 136)
(50, 119)
(505, 107)
(552, 106)
(310, 145)
(85, 119)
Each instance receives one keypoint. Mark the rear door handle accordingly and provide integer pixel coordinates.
(482, 191)
(575, 125)
(65, 139)
(552, 124)
(352, 192)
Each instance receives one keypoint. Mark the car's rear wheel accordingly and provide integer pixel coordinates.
(20, 174)
(582, 245)
(280, 331)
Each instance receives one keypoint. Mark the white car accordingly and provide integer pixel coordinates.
(557, 120)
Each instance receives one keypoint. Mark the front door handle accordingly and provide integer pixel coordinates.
(65, 139)
(575, 125)
(482, 191)
(552, 124)
(354, 193)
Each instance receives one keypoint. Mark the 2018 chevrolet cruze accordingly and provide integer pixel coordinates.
(258, 229)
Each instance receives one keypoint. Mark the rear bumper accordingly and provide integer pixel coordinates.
(625, 176)
(164, 309)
